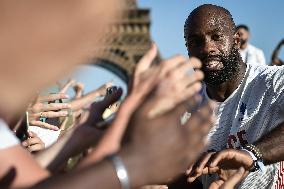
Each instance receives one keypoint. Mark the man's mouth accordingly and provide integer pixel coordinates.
(213, 64)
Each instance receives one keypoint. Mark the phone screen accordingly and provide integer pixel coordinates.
(54, 121)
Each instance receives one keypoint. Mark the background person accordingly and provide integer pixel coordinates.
(249, 53)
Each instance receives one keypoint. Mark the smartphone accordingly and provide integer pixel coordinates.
(54, 121)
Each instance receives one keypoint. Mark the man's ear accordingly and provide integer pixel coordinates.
(237, 39)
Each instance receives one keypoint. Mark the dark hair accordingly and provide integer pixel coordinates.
(242, 26)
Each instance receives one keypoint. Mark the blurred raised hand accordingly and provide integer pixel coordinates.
(172, 85)
(45, 107)
(156, 139)
(226, 163)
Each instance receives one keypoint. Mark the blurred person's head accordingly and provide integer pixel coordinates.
(209, 33)
(244, 34)
(43, 40)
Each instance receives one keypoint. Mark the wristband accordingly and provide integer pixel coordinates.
(257, 163)
(121, 171)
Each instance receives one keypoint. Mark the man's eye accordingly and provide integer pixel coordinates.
(216, 37)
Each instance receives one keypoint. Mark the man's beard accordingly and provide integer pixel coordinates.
(231, 68)
(243, 41)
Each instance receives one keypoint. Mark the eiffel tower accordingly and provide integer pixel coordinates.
(129, 42)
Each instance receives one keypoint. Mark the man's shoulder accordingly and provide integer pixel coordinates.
(266, 75)
(265, 69)
(254, 48)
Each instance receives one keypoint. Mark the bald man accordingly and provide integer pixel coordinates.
(249, 104)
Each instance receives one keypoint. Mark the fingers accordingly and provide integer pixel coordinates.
(36, 147)
(44, 125)
(31, 141)
(189, 92)
(196, 76)
(234, 180)
(65, 87)
(146, 60)
(53, 107)
(181, 64)
(240, 157)
(99, 107)
(51, 114)
(102, 89)
(196, 63)
(34, 143)
(218, 157)
(171, 64)
(216, 184)
(189, 68)
(52, 97)
(63, 124)
(189, 170)
(199, 167)
(180, 80)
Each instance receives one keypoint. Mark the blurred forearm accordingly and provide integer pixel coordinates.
(71, 143)
(272, 145)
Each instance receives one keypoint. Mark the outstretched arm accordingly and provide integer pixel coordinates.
(70, 144)
(272, 145)
(275, 56)
(89, 98)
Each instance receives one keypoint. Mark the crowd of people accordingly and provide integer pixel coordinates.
(216, 117)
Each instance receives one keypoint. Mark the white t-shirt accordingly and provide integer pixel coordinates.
(7, 137)
(253, 55)
(254, 109)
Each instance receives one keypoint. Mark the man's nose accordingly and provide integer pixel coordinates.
(209, 47)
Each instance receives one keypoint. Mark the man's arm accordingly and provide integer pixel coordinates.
(72, 143)
(275, 56)
(272, 145)
(89, 98)
(101, 175)
(26, 170)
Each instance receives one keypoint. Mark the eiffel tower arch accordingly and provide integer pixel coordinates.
(130, 39)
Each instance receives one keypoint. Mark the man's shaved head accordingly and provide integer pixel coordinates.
(213, 14)
(210, 35)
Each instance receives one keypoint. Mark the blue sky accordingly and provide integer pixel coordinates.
(265, 19)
